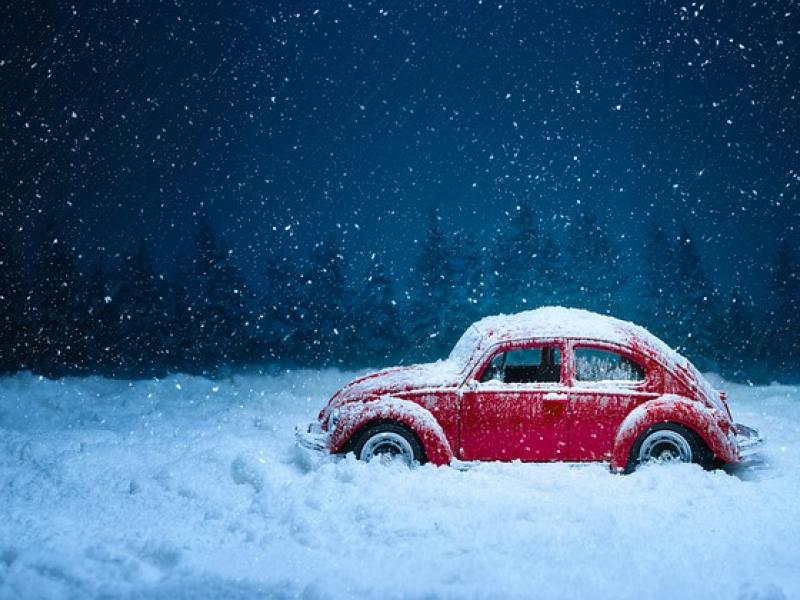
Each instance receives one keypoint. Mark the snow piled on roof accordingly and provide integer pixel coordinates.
(558, 321)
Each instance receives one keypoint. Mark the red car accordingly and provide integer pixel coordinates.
(552, 384)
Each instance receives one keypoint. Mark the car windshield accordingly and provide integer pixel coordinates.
(465, 348)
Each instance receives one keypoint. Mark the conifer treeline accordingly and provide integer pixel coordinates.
(58, 316)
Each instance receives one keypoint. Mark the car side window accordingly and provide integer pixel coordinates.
(541, 364)
(592, 364)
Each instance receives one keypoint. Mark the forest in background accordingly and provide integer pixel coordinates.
(61, 315)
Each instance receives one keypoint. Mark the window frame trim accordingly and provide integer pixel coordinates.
(642, 385)
(506, 345)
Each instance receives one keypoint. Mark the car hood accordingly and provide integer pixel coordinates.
(443, 373)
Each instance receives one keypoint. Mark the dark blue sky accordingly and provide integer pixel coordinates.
(125, 120)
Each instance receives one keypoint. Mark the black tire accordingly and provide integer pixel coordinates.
(669, 441)
(391, 439)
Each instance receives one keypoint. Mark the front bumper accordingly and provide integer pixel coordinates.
(312, 437)
(748, 440)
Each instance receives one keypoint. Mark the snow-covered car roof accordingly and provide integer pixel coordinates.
(560, 322)
(575, 323)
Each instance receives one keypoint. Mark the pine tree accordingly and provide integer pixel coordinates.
(593, 272)
(12, 313)
(55, 340)
(323, 305)
(468, 299)
(102, 324)
(527, 270)
(142, 308)
(696, 301)
(738, 347)
(185, 319)
(659, 310)
(376, 338)
(221, 311)
(428, 315)
(278, 308)
(784, 309)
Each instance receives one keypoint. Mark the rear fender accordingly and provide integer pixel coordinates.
(698, 418)
(356, 415)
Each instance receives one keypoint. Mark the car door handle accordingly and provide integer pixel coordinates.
(555, 397)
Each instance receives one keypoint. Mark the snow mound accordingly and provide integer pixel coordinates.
(190, 488)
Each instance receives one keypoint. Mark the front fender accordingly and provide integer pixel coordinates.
(355, 415)
(703, 421)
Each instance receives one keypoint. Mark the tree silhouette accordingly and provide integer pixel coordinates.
(593, 272)
(695, 300)
(279, 311)
(428, 293)
(141, 306)
(376, 338)
(526, 267)
(784, 309)
(220, 311)
(55, 340)
(12, 310)
(323, 304)
(468, 298)
(738, 346)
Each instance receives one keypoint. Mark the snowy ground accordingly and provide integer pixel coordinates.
(191, 488)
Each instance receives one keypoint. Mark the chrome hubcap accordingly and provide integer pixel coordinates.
(665, 446)
(387, 447)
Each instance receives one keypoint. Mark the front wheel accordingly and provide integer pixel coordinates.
(388, 443)
(668, 443)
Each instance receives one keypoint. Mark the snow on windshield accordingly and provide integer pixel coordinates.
(465, 348)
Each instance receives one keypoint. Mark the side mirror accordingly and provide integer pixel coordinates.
(472, 385)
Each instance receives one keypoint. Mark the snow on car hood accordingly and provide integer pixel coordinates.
(442, 373)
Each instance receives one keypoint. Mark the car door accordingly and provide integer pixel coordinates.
(515, 408)
(606, 383)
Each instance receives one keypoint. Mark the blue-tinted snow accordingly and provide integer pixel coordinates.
(193, 488)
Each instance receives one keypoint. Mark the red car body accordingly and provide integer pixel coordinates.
(599, 385)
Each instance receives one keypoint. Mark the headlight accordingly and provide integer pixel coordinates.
(333, 419)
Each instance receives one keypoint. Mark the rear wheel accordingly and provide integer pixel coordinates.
(668, 443)
(389, 443)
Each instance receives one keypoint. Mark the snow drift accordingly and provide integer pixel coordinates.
(187, 487)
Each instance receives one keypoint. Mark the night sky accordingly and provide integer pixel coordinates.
(126, 120)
